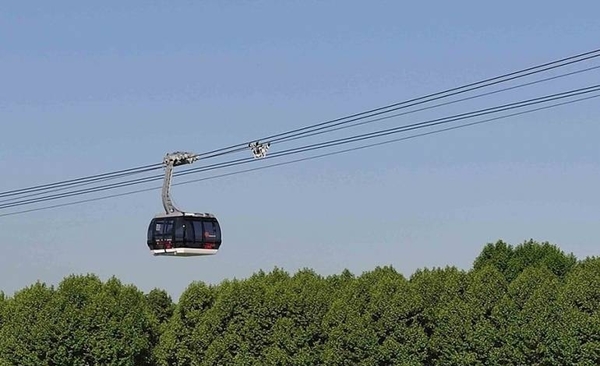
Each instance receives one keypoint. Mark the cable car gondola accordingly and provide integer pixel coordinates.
(179, 233)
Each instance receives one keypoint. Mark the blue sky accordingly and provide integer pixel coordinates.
(91, 88)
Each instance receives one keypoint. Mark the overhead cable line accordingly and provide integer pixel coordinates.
(403, 128)
(411, 103)
(331, 123)
(336, 142)
(83, 180)
(425, 99)
(102, 178)
(21, 196)
(362, 123)
(303, 159)
(37, 192)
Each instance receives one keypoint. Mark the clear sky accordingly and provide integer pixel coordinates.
(90, 88)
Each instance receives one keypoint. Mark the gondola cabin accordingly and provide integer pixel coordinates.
(184, 234)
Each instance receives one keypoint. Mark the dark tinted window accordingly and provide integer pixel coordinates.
(168, 227)
(189, 231)
(164, 228)
(179, 229)
(212, 233)
(158, 227)
(198, 230)
(151, 230)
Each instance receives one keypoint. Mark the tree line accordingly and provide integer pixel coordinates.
(529, 304)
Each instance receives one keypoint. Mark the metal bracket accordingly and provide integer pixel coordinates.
(259, 149)
(170, 161)
(180, 158)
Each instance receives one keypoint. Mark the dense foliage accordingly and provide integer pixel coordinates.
(530, 305)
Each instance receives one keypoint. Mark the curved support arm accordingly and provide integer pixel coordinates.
(170, 161)
(166, 191)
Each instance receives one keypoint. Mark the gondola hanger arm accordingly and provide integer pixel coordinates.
(172, 160)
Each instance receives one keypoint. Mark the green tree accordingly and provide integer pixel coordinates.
(496, 254)
(180, 343)
(101, 323)
(269, 319)
(161, 305)
(374, 321)
(582, 292)
(240, 325)
(351, 340)
(82, 322)
(443, 314)
(462, 333)
(393, 311)
(297, 337)
(512, 261)
(532, 253)
(531, 304)
(534, 326)
(24, 336)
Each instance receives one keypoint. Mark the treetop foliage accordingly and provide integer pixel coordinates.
(528, 304)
